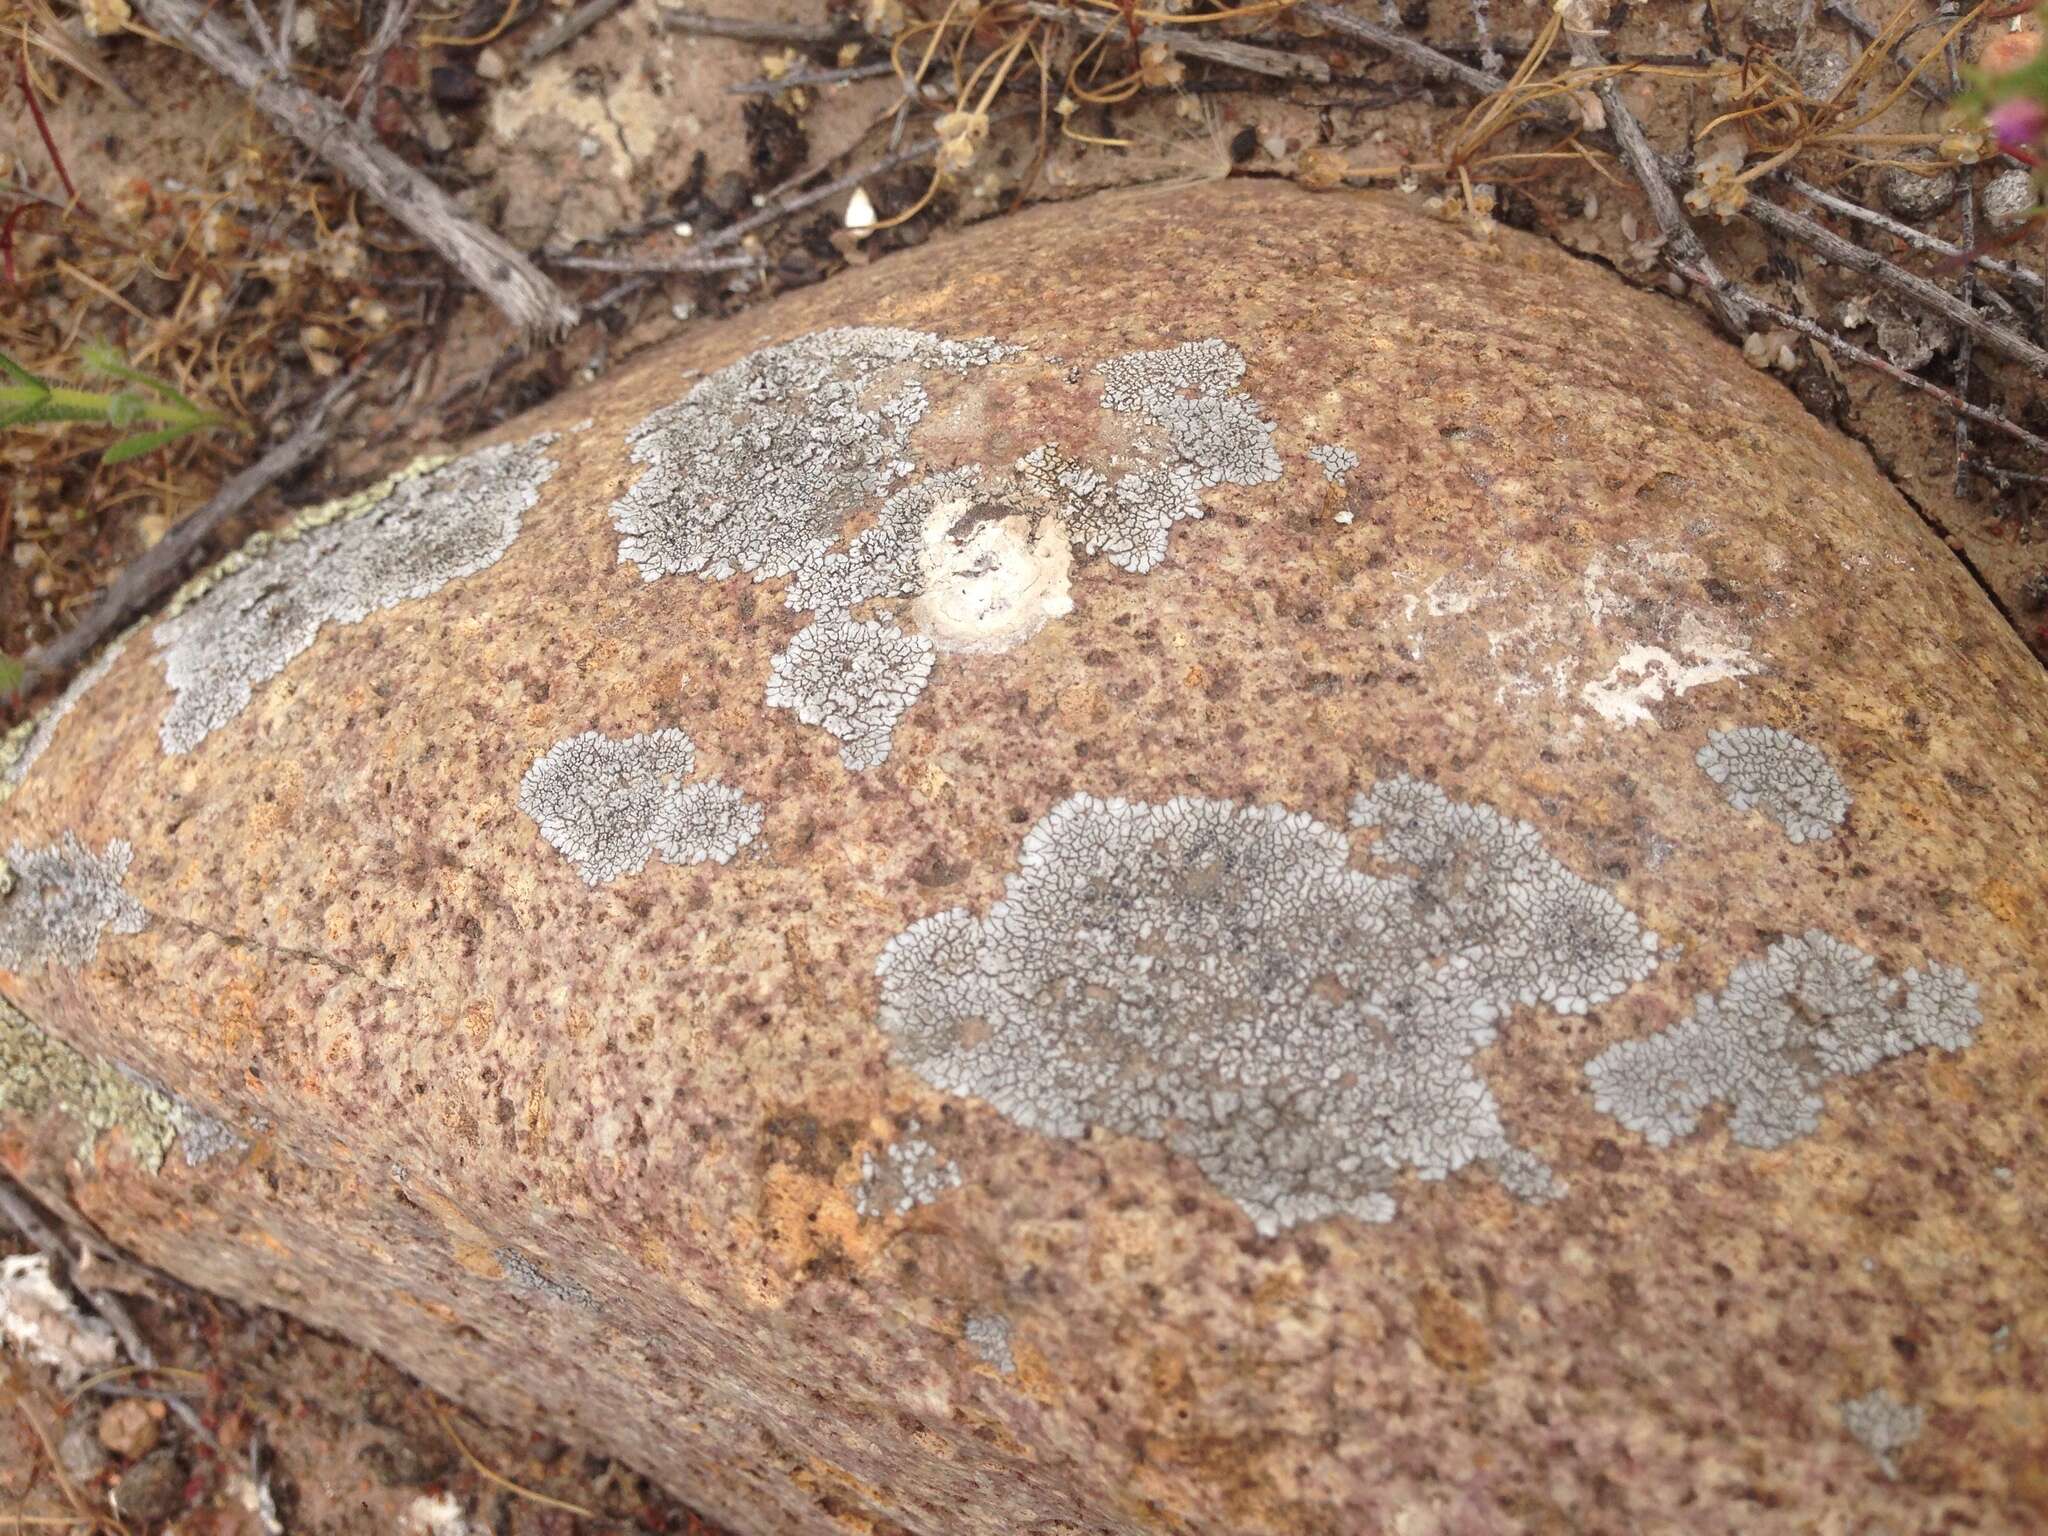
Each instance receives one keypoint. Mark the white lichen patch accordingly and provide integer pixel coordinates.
(1219, 978)
(1336, 462)
(19, 760)
(1810, 1009)
(421, 534)
(909, 1173)
(1883, 1425)
(988, 1335)
(1646, 675)
(799, 461)
(768, 457)
(1191, 392)
(65, 896)
(609, 804)
(1789, 780)
(854, 677)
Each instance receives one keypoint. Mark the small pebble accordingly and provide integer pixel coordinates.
(152, 1490)
(490, 64)
(80, 1453)
(587, 147)
(1913, 195)
(131, 1426)
(2008, 199)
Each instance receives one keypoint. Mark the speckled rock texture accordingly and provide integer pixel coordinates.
(1054, 990)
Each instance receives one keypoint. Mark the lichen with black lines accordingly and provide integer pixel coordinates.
(60, 899)
(764, 465)
(1218, 977)
(1809, 1010)
(252, 617)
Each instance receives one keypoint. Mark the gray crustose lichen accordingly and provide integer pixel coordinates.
(1810, 1009)
(609, 804)
(1773, 771)
(1219, 978)
(909, 1173)
(764, 465)
(988, 1335)
(1884, 1425)
(414, 539)
(1335, 461)
(63, 898)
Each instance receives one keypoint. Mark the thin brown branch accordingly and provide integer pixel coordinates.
(1186, 41)
(1643, 160)
(502, 274)
(568, 29)
(152, 573)
(797, 79)
(1835, 203)
(1794, 226)
(746, 30)
(1437, 66)
(1849, 349)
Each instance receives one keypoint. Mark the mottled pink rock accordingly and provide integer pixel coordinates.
(1212, 861)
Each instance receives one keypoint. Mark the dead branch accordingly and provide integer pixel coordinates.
(1644, 162)
(508, 279)
(1849, 349)
(152, 573)
(567, 30)
(1190, 43)
(2026, 277)
(1780, 221)
(794, 80)
(1846, 253)
(1437, 66)
(746, 30)
(682, 262)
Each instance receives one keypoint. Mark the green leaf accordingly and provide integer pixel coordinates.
(11, 673)
(104, 359)
(142, 442)
(19, 374)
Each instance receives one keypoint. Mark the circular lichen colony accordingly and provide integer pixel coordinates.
(1773, 771)
(1217, 977)
(423, 533)
(608, 805)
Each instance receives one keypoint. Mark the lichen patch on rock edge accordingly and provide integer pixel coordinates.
(417, 536)
(64, 897)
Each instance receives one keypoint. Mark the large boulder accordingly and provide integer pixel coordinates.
(1215, 861)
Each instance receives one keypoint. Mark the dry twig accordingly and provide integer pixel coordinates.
(1250, 57)
(568, 29)
(1849, 349)
(1648, 168)
(746, 30)
(508, 279)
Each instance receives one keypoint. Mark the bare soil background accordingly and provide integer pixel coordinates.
(215, 251)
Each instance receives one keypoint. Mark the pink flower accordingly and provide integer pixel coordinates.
(2017, 123)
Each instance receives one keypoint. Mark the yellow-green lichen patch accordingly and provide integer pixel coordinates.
(39, 1074)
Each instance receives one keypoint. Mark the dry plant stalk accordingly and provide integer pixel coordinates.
(525, 295)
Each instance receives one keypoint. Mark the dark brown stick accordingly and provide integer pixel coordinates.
(746, 30)
(1849, 349)
(508, 279)
(152, 573)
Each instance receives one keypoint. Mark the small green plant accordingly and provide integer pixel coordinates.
(153, 413)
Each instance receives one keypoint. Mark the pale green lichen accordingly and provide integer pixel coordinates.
(40, 1074)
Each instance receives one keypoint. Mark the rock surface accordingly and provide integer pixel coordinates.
(1143, 925)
